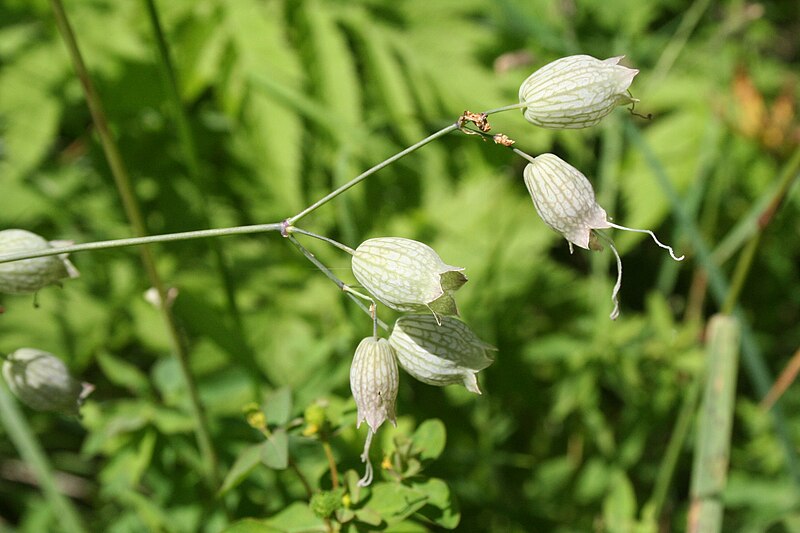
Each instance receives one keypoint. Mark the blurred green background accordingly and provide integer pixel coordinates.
(286, 100)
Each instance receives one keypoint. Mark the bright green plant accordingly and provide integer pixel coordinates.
(261, 349)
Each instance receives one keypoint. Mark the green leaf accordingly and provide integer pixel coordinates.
(395, 502)
(123, 373)
(275, 450)
(250, 525)
(619, 506)
(441, 509)
(295, 518)
(278, 406)
(244, 464)
(430, 438)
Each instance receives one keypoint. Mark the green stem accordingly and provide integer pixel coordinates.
(138, 241)
(364, 175)
(740, 274)
(134, 215)
(339, 283)
(31, 452)
(509, 107)
(712, 450)
(361, 177)
(343, 247)
(680, 432)
(331, 463)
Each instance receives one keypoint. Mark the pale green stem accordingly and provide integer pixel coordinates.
(19, 432)
(352, 294)
(364, 175)
(509, 107)
(343, 247)
(134, 215)
(677, 439)
(361, 177)
(138, 241)
(523, 155)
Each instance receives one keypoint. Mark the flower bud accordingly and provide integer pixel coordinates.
(30, 275)
(564, 199)
(575, 91)
(374, 382)
(440, 354)
(42, 381)
(407, 275)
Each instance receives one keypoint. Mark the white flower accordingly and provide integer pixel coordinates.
(42, 381)
(565, 200)
(440, 353)
(407, 275)
(30, 275)
(575, 91)
(374, 382)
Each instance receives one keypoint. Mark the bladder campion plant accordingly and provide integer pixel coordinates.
(430, 343)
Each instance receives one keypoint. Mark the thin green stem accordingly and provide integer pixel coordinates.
(19, 432)
(740, 274)
(364, 175)
(343, 247)
(134, 215)
(339, 283)
(677, 439)
(331, 463)
(509, 107)
(523, 155)
(138, 241)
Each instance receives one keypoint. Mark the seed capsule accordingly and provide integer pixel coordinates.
(42, 381)
(30, 275)
(575, 91)
(407, 275)
(440, 354)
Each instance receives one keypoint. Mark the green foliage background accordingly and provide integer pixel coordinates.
(289, 99)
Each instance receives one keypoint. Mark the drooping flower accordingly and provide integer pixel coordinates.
(30, 275)
(374, 382)
(407, 275)
(565, 201)
(575, 91)
(440, 353)
(42, 381)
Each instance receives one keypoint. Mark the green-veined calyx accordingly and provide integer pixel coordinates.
(42, 381)
(565, 200)
(30, 275)
(440, 353)
(374, 382)
(407, 275)
(575, 91)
